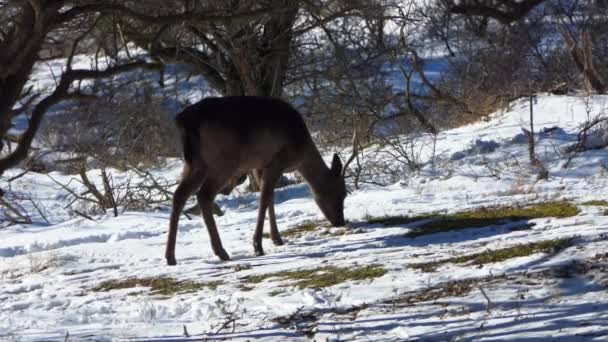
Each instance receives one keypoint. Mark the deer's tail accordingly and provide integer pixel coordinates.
(189, 136)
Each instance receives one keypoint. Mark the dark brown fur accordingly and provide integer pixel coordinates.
(225, 137)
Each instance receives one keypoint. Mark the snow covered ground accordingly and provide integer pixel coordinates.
(50, 273)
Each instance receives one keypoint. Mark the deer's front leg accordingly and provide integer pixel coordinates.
(186, 187)
(205, 203)
(274, 230)
(268, 180)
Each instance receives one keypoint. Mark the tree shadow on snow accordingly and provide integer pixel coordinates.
(541, 325)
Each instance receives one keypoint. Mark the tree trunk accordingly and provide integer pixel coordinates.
(11, 88)
(18, 55)
(262, 65)
(583, 58)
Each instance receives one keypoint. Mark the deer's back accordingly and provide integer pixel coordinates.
(245, 115)
(248, 131)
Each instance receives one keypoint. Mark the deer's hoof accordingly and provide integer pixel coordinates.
(171, 261)
(222, 255)
(258, 250)
(277, 241)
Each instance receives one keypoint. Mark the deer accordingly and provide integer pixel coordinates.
(225, 137)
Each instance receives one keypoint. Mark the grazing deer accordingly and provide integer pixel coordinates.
(225, 137)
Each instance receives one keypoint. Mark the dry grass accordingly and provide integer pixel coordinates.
(498, 255)
(495, 216)
(482, 217)
(158, 285)
(301, 229)
(322, 277)
(597, 203)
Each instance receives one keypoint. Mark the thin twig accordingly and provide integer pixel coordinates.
(489, 304)
(83, 215)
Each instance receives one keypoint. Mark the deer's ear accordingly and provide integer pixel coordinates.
(336, 165)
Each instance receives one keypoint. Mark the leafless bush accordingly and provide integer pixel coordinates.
(43, 261)
(20, 208)
(497, 167)
(232, 313)
(404, 150)
(117, 130)
(12, 213)
(492, 64)
(134, 189)
(593, 133)
(391, 158)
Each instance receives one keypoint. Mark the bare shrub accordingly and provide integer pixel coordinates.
(232, 312)
(21, 208)
(493, 64)
(135, 189)
(119, 131)
(593, 133)
(12, 212)
(43, 261)
(391, 158)
(110, 143)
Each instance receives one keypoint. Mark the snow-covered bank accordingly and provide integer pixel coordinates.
(48, 272)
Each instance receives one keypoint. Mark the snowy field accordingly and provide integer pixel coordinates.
(52, 275)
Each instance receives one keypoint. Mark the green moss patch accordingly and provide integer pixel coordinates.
(498, 255)
(598, 203)
(495, 216)
(299, 230)
(322, 277)
(478, 218)
(158, 285)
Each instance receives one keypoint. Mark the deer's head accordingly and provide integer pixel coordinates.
(331, 199)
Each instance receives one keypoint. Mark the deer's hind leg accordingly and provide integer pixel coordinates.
(274, 230)
(191, 181)
(205, 197)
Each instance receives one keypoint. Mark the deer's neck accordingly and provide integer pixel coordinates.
(314, 170)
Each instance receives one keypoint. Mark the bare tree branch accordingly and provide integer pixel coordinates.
(221, 17)
(505, 11)
(60, 94)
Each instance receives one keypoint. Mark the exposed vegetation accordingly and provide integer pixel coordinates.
(455, 288)
(158, 285)
(498, 255)
(492, 216)
(482, 217)
(597, 203)
(323, 277)
(486, 217)
(398, 219)
(275, 293)
(42, 262)
(299, 230)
